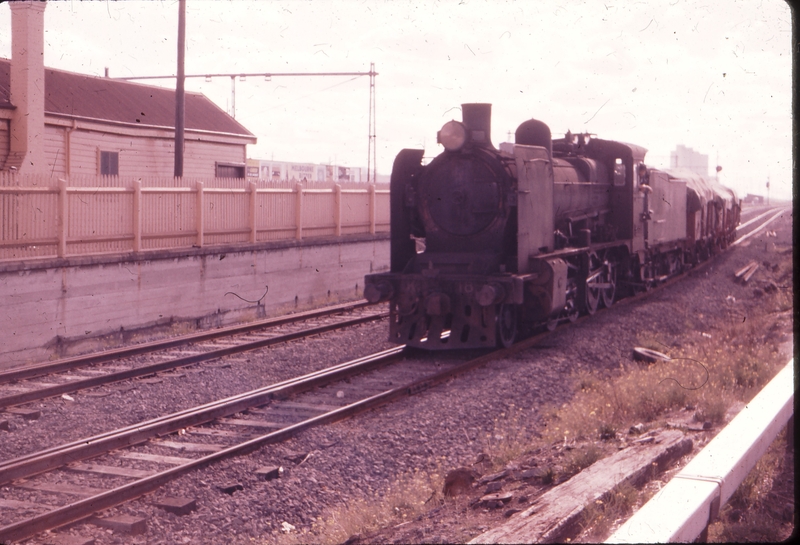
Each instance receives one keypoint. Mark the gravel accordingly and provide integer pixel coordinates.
(441, 428)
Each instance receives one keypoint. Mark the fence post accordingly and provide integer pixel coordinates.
(63, 221)
(298, 213)
(137, 216)
(337, 208)
(253, 210)
(199, 215)
(372, 209)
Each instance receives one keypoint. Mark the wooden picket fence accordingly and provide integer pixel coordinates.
(44, 217)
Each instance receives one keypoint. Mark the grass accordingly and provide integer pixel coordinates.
(598, 517)
(749, 515)
(410, 496)
(705, 375)
(510, 437)
(582, 457)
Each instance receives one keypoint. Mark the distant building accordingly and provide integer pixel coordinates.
(283, 171)
(753, 199)
(687, 158)
(64, 124)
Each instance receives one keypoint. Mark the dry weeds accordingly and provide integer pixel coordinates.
(410, 496)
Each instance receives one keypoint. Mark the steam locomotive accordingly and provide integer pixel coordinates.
(488, 244)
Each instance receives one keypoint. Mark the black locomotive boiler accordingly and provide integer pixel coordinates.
(486, 243)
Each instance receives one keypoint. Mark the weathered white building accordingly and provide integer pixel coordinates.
(284, 171)
(67, 124)
(684, 157)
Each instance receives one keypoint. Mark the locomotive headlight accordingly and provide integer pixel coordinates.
(453, 136)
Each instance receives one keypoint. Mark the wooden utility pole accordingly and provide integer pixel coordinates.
(180, 95)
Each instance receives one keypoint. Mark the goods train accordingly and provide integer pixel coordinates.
(488, 244)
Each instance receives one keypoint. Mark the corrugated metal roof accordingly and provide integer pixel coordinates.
(72, 94)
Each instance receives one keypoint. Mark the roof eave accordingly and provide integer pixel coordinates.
(250, 137)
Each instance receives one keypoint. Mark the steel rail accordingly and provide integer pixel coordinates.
(755, 219)
(54, 457)
(87, 507)
(760, 227)
(45, 368)
(145, 370)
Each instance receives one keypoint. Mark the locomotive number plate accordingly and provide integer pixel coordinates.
(466, 287)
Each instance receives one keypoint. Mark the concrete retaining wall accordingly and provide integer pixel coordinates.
(61, 307)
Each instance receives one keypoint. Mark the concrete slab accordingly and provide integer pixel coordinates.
(177, 506)
(122, 523)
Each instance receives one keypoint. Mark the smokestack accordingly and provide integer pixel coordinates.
(478, 120)
(27, 87)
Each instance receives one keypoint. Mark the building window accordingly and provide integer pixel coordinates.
(229, 170)
(109, 163)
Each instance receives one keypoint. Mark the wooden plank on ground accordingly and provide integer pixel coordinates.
(19, 504)
(83, 373)
(190, 447)
(216, 433)
(111, 470)
(71, 489)
(744, 269)
(40, 385)
(316, 407)
(555, 513)
(27, 414)
(252, 423)
(156, 458)
(66, 539)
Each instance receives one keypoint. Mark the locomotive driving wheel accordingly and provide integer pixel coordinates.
(572, 308)
(610, 280)
(595, 277)
(506, 325)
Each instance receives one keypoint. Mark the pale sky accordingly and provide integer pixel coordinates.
(714, 75)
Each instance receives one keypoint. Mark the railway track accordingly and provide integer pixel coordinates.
(24, 384)
(207, 434)
(212, 432)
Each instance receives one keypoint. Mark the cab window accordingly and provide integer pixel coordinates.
(619, 172)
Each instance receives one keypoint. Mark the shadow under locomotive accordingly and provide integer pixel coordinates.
(488, 243)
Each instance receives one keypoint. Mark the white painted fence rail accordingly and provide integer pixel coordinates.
(682, 510)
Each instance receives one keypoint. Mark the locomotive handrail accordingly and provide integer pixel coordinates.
(682, 510)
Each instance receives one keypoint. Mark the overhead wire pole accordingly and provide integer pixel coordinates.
(371, 149)
(180, 92)
(372, 137)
